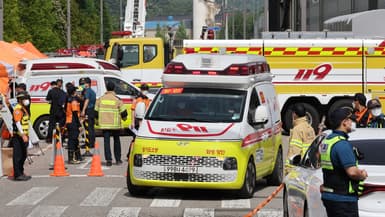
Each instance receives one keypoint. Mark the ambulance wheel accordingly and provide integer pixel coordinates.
(41, 127)
(248, 188)
(134, 189)
(276, 177)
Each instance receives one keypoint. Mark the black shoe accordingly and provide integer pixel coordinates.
(118, 162)
(109, 163)
(23, 178)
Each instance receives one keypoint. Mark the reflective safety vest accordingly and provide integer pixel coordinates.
(109, 108)
(24, 120)
(335, 179)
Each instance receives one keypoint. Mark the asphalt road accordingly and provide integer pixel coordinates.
(81, 196)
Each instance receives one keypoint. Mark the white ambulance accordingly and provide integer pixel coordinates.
(39, 73)
(214, 125)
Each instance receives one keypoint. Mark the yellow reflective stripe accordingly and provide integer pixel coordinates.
(108, 102)
(296, 142)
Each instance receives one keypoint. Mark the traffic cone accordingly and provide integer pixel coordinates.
(96, 165)
(12, 174)
(58, 166)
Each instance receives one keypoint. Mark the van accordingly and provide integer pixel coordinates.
(38, 74)
(214, 125)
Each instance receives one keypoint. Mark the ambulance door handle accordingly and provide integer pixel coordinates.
(136, 79)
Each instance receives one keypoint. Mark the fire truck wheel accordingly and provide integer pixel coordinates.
(134, 189)
(311, 112)
(248, 188)
(41, 127)
(342, 103)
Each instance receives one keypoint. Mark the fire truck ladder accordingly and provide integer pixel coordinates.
(135, 14)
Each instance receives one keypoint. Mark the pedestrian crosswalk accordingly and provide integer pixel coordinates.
(103, 198)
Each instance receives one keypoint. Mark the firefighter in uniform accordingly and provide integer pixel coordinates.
(20, 134)
(137, 115)
(342, 178)
(73, 126)
(109, 111)
(301, 136)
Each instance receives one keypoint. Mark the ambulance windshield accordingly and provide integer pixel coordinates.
(198, 105)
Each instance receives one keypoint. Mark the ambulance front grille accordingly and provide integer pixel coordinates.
(172, 160)
(190, 177)
(212, 165)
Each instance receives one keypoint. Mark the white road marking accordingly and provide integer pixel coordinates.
(270, 213)
(242, 203)
(165, 203)
(48, 211)
(83, 165)
(198, 212)
(100, 197)
(33, 196)
(124, 212)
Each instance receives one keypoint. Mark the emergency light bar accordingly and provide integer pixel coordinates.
(121, 33)
(232, 70)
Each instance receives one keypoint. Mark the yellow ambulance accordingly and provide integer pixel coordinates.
(214, 125)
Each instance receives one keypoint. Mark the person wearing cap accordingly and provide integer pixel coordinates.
(301, 135)
(342, 179)
(20, 135)
(360, 111)
(377, 119)
(88, 110)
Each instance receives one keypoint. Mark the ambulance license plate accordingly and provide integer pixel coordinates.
(180, 169)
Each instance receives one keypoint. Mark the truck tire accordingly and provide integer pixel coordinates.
(41, 127)
(311, 112)
(342, 103)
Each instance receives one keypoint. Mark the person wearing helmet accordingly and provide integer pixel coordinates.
(20, 135)
(139, 107)
(73, 125)
(377, 119)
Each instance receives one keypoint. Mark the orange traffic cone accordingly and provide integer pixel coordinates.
(96, 165)
(12, 174)
(58, 166)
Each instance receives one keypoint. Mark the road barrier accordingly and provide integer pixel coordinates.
(265, 202)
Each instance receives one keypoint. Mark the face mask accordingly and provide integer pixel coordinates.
(353, 127)
(376, 112)
(26, 102)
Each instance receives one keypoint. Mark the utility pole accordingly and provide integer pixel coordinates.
(244, 19)
(68, 24)
(120, 16)
(226, 21)
(1, 20)
(101, 21)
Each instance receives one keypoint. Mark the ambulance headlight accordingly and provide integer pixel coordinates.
(138, 160)
(230, 163)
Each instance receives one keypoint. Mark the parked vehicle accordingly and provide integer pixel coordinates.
(302, 195)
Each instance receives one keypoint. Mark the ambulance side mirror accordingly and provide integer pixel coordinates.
(261, 115)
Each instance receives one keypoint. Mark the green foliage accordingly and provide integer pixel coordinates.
(181, 32)
(161, 32)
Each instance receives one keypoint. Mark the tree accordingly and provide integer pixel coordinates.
(160, 32)
(181, 32)
(14, 29)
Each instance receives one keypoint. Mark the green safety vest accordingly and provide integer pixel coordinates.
(335, 179)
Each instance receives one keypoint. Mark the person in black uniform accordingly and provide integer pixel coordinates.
(56, 97)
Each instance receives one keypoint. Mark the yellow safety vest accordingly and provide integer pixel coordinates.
(24, 121)
(109, 108)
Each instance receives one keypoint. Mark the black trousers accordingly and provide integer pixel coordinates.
(19, 155)
(73, 136)
(56, 117)
(91, 126)
(117, 146)
(341, 209)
